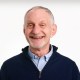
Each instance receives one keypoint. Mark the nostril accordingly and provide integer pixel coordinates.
(36, 30)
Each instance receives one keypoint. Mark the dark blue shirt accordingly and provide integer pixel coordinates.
(21, 67)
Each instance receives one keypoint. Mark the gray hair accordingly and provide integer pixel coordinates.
(44, 8)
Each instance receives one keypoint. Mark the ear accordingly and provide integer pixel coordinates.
(23, 29)
(54, 30)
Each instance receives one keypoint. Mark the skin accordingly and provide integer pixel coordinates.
(38, 29)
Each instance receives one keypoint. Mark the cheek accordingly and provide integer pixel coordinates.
(26, 33)
(48, 33)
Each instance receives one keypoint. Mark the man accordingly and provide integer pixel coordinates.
(40, 60)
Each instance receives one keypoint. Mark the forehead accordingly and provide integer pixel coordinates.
(37, 13)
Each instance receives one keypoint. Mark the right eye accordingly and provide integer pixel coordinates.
(30, 25)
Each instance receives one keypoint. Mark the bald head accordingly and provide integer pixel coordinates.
(40, 8)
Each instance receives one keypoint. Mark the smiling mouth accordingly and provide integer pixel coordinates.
(36, 37)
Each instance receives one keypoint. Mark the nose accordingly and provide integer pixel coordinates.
(36, 29)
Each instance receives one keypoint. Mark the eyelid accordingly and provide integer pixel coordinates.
(43, 25)
(30, 25)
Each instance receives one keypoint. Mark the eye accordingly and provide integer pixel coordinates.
(42, 25)
(30, 25)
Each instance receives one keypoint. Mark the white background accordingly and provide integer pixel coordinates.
(67, 18)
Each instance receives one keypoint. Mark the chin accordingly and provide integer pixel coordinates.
(37, 46)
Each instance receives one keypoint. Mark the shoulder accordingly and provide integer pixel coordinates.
(68, 63)
(61, 57)
(63, 60)
(12, 61)
(17, 59)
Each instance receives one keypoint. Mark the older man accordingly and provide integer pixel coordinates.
(40, 60)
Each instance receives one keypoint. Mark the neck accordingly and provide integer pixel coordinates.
(40, 51)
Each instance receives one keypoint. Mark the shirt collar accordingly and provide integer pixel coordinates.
(46, 57)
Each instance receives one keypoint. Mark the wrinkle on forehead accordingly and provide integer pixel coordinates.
(37, 13)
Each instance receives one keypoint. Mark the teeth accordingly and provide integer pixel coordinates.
(36, 37)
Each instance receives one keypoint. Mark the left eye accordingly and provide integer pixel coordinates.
(42, 25)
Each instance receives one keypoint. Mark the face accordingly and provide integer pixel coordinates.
(38, 28)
